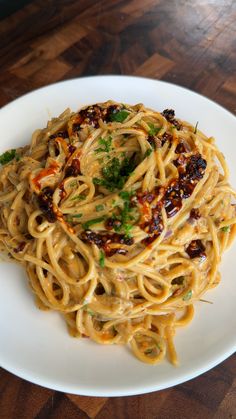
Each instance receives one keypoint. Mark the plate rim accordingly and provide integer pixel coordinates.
(184, 377)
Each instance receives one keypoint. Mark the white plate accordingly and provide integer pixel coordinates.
(35, 345)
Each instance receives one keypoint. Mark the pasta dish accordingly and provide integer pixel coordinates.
(119, 215)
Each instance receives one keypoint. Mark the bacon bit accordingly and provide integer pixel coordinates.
(73, 169)
(20, 247)
(194, 213)
(51, 170)
(46, 205)
(196, 249)
(104, 241)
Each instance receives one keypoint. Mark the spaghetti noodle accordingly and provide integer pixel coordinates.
(119, 215)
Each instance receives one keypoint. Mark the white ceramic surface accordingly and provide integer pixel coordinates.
(35, 345)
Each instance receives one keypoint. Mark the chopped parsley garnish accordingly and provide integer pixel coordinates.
(124, 216)
(119, 116)
(89, 311)
(99, 208)
(8, 156)
(92, 222)
(148, 152)
(70, 217)
(152, 129)
(80, 197)
(106, 145)
(115, 173)
(73, 183)
(125, 195)
(225, 229)
(195, 129)
(102, 259)
(188, 295)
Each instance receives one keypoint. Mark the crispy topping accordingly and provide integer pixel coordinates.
(20, 247)
(169, 114)
(105, 240)
(191, 170)
(166, 137)
(46, 205)
(59, 134)
(73, 169)
(181, 148)
(196, 249)
(194, 213)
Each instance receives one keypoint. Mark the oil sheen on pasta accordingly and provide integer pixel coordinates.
(120, 215)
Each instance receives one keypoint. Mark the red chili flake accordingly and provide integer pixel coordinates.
(195, 167)
(71, 148)
(73, 169)
(59, 134)
(20, 247)
(104, 240)
(90, 116)
(169, 114)
(196, 249)
(194, 213)
(145, 197)
(180, 148)
(46, 205)
(166, 137)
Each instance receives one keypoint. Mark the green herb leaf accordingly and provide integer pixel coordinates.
(153, 130)
(148, 152)
(102, 259)
(70, 217)
(89, 311)
(115, 173)
(225, 229)
(119, 116)
(195, 129)
(92, 222)
(188, 295)
(80, 197)
(99, 208)
(7, 156)
(125, 195)
(106, 145)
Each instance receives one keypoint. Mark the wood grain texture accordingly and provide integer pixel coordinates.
(187, 42)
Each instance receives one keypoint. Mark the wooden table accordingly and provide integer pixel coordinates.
(191, 43)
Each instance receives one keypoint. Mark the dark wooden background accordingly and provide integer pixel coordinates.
(188, 42)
